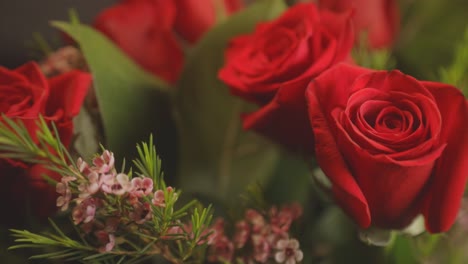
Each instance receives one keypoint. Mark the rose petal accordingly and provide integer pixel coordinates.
(68, 91)
(341, 26)
(392, 188)
(284, 119)
(451, 170)
(393, 81)
(328, 91)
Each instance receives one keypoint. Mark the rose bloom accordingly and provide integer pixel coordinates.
(392, 146)
(144, 30)
(195, 17)
(26, 94)
(272, 67)
(379, 19)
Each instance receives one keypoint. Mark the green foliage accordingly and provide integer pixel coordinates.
(127, 95)
(86, 128)
(16, 143)
(401, 251)
(429, 29)
(334, 235)
(290, 182)
(42, 44)
(380, 59)
(217, 158)
(149, 163)
(67, 249)
(134, 241)
(199, 220)
(457, 73)
(373, 59)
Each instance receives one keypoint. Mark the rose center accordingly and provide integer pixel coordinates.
(276, 46)
(390, 121)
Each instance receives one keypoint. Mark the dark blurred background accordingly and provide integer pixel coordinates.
(20, 19)
(429, 30)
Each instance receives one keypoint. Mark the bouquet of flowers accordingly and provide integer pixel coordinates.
(230, 131)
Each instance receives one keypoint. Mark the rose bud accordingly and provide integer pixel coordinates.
(392, 146)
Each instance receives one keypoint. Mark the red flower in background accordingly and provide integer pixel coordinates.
(147, 30)
(25, 95)
(144, 30)
(272, 67)
(380, 19)
(195, 17)
(392, 146)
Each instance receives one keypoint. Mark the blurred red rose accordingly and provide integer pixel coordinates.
(380, 19)
(272, 67)
(195, 17)
(25, 95)
(392, 146)
(144, 30)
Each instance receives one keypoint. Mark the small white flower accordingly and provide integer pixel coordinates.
(288, 251)
(116, 184)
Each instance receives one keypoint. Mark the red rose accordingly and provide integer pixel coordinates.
(24, 193)
(26, 94)
(392, 146)
(195, 17)
(143, 30)
(273, 65)
(378, 18)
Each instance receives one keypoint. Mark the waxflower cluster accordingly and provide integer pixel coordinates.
(103, 199)
(260, 237)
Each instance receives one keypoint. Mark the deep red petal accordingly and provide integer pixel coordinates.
(33, 74)
(340, 25)
(339, 81)
(284, 119)
(328, 91)
(392, 188)
(451, 170)
(68, 91)
(233, 5)
(194, 18)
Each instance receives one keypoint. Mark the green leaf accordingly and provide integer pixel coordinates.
(86, 141)
(217, 157)
(457, 73)
(402, 251)
(132, 102)
(334, 230)
(429, 31)
(291, 182)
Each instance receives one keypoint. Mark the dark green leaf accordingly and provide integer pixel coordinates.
(130, 99)
(291, 181)
(217, 158)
